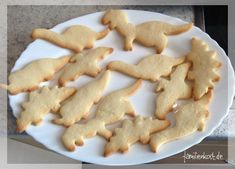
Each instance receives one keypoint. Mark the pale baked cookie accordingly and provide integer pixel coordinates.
(132, 131)
(189, 119)
(205, 67)
(84, 63)
(151, 67)
(111, 108)
(150, 34)
(172, 90)
(76, 37)
(30, 76)
(40, 103)
(114, 106)
(78, 106)
(76, 133)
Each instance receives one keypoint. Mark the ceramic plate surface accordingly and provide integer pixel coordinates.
(49, 134)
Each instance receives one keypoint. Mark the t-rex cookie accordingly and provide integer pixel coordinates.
(40, 103)
(76, 37)
(78, 106)
(29, 77)
(111, 108)
(173, 89)
(189, 119)
(150, 34)
(151, 67)
(132, 131)
(82, 63)
(204, 70)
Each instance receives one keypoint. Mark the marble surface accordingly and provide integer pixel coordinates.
(21, 20)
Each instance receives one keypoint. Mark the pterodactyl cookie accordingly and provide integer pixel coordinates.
(40, 103)
(189, 119)
(76, 37)
(151, 67)
(173, 89)
(132, 131)
(111, 108)
(150, 34)
(78, 106)
(82, 63)
(205, 67)
(29, 77)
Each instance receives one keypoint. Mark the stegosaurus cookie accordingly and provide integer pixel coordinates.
(40, 103)
(204, 70)
(173, 89)
(76, 37)
(30, 76)
(84, 63)
(189, 119)
(151, 67)
(132, 131)
(150, 34)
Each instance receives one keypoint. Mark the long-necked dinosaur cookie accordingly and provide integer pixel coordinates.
(150, 34)
(151, 67)
(40, 103)
(111, 108)
(132, 131)
(82, 63)
(173, 89)
(78, 106)
(189, 119)
(29, 77)
(204, 68)
(76, 37)
(114, 106)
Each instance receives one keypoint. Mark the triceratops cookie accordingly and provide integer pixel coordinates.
(150, 34)
(204, 70)
(40, 103)
(78, 106)
(111, 108)
(76, 37)
(29, 77)
(82, 63)
(151, 67)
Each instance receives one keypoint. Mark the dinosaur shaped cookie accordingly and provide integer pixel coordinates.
(205, 67)
(111, 108)
(82, 63)
(78, 106)
(75, 134)
(189, 119)
(132, 131)
(76, 37)
(30, 76)
(40, 103)
(151, 67)
(150, 34)
(173, 89)
(116, 104)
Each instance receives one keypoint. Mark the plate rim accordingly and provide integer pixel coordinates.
(231, 89)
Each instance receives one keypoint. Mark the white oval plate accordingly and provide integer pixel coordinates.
(144, 100)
